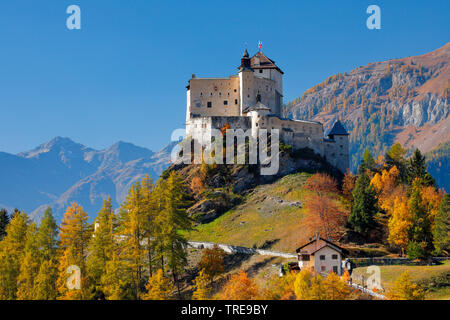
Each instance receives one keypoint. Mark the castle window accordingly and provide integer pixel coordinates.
(225, 102)
(234, 90)
(211, 94)
(220, 93)
(341, 146)
(228, 94)
(235, 101)
(201, 93)
(248, 96)
(260, 71)
(209, 105)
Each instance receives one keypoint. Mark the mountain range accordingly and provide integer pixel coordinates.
(401, 100)
(61, 171)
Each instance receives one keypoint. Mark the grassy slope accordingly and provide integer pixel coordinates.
(262, 218)
(418, 273)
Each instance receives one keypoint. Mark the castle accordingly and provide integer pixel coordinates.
(252, 100)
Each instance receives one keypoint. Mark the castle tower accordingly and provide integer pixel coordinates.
(246, 83)
(337, 152)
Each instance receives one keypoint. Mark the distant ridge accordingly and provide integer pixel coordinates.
(61, 171)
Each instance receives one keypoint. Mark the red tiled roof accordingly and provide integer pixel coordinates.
(316, 244)
(264, 62)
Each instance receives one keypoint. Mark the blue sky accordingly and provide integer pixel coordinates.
(123, 75)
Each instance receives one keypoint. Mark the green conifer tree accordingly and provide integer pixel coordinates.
(364, 207)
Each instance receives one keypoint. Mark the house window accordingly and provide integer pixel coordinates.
(220, 93)
(322, 268)
(322, 257)
(334, 257)
(305, 257)
(335, 269)
(234, 90)
(210, 93)
(225, 102)
(341, 146)
(260, 71)
(235, 101)
(201, 93)
(209, 105)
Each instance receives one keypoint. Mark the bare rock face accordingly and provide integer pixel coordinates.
(405, 100)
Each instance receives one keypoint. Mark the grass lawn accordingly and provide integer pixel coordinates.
(267, 214)
(418, 273)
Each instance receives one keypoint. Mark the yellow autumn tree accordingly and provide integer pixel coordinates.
(280, 288)
(386, 184)
(75, 234)
(240, 287)
(336, 288)
(202, 286)
(158, 287)
(404, 289)
(400, 223)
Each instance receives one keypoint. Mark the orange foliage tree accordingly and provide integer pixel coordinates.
(324, 214)
(240, 287)
(212, 262)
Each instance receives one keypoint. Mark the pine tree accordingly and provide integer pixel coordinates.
(417, 168)
(75, 235)
(441, 228)
(101, 244)
(368, 162)
(12, 252)
(4, 221)
(29, 268)
(364, 206)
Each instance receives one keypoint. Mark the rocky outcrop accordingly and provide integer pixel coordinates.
(405, 100)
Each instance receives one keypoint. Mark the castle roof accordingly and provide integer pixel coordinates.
(264, 62)
(257, 106)
(338, 129)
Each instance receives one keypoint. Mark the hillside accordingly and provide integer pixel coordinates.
(61, 171)
(404, 100)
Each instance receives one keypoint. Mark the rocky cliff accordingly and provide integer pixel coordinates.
(404, 100)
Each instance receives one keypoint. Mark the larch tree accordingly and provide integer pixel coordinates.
(404, 289)
(172, 220)
(399, 223)
(47, 243)
(101, 244)
(75, 234)
(202, 285)
(420, 231)
(158, 287)
(29, 267)
(441, 230)
(132, 220)
(12, 252)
